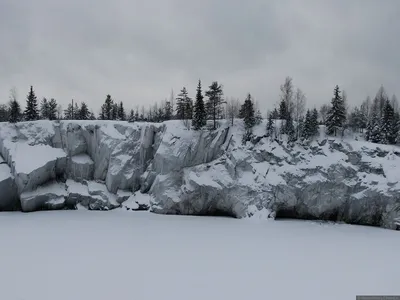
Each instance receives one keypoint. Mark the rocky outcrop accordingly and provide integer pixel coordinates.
(49, 196)
(102, 165)
(9, 199)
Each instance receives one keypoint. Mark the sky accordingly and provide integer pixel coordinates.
(138, 51)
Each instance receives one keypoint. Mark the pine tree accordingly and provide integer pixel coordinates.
(337, 113)
(44, 109)
(121, 112)
(214, 102)
(52, 112)
(107, 109)
(15, 111)
(84, 113)
(199, 114)
(31, 111)
(270, 125)
(387, 124)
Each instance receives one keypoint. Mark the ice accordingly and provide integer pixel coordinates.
(120, 255)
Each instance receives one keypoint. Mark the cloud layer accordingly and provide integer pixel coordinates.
(139, 50)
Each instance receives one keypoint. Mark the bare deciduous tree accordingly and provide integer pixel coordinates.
(232, 109)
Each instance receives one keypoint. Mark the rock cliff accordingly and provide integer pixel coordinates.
(168, 169)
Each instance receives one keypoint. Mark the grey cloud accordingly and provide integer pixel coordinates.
(139, 50)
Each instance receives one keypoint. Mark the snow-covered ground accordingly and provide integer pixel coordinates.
(65, 255)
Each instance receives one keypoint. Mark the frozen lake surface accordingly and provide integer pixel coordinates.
(71, 255)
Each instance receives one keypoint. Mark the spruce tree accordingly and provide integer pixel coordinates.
(84, 113)
(275, 114)
(314, 122)
(337, 113)
(214, 102)
(199, 113)
(44, 109)
(387, 124)
(107, 109)
(77, 113)
(290, 131)
(114, 111)
(52, 113)
(168, 111)
(131, 117)
(258, 117)
(247, 110)
(307, 131)
(270, 125)
(283, 111)
(15, 111)
(31, 111)
(121, 112)
(69, 112)
(92, 116)
(183, 105)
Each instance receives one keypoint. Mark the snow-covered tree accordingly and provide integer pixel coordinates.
(184, 105)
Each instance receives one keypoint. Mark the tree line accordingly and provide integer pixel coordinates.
(378, 119)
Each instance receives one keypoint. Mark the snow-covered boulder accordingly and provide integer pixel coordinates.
(49, 196)
(34, 165)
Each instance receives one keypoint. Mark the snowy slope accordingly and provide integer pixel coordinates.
(123, 255)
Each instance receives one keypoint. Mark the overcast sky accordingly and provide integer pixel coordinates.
(137, 51)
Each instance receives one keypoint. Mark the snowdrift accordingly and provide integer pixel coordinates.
(168, 169)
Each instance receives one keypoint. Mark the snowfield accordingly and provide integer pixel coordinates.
(65, 255)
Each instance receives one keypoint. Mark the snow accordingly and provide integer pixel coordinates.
(56, 188)
(77, 188)
(82, 159)
(68, 255)
(29, 158)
